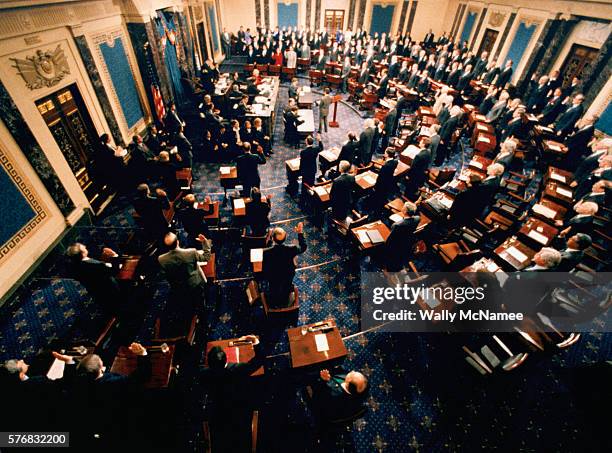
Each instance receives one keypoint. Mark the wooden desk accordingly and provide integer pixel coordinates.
(425, 111)
(361, 238)
(127, 267)
(548, 210)
(308, 126)
(228, 180)
(328, 158)
(244, 352)
(126, 361)
(408, 154)
(322, 192)
(512, 246)
(559, 176)
(538, 231)
(484, 142)
(303, 347)
(559, 193)
(210, 268)
(240, 211)
(555, 148)
(292, 165)
(366, 180)
(476, 117)
(399, 171)
(305, 99)
(184, 178)
(213, 217)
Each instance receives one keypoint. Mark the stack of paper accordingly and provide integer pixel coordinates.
(517, 254)
(396, 218)
(544, 211)
(446, 202)
(239, 203)
(363, 236)
(533, 234)
(370, 179)
(225, 170)
(256, 255)
(321, 342)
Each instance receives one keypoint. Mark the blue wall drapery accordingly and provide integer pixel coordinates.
(170, 58)
(605, 121)
(519, 44)
(16, 211)
(382, 16)
(214, 31)
(467, 27)
(123, 80)
(287, 14)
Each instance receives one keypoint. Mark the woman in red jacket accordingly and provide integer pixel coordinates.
(277, 57)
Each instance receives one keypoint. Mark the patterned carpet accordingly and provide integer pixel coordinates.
(423, 395)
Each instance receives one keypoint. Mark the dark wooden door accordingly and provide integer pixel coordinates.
(70, 124)
(334, 20)
(202, 39)
(488, 41)
(578, 59)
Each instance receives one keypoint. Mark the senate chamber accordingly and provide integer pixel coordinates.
(270, 226)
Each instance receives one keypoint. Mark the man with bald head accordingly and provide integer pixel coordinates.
(279, 265)
(339, 396)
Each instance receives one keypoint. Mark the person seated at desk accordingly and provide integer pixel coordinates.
(230, 397)
(279, 263)
(193, 218)
(261, 138)
(468, 204)
(98, 277)
(258, 212)
(385, 183)
(341, 193)
(573, 253)
(155, 141)
(582, 222)
(247, 168)
(151, 210)
(339, 396)
(308, 159)
(399, 244)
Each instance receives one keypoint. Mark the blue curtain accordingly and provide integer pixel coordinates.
(287, 14)
(467, 27)
(605, 120)
(170, 58)
(519, 44)
(381, 19)
(123, 80)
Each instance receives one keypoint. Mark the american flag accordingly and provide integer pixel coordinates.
(159, 103)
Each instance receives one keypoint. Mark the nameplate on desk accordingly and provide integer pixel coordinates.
(481, 128)
(256, 255)
(484, 139)
(557, 177)
(564, 192)
(517, 254)
(544, 211)
(538, 237)
(239, 203)
(321, 342)
(225, 170)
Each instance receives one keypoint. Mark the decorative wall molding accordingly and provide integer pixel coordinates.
(496, 18)
(45, 68)
(24, 187)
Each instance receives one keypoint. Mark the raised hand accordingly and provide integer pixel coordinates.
(325, 375)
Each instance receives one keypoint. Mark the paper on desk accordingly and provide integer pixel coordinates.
(533, 234)
(544, 211)
(239, 203)
(306, 89)
(258, 109)
(475, 163)
(396, 218)
(371, 180)
(321, 342)
(446, 202)
(564, 192)
(481, 127)
(484, 139)
(256, 255)
(517, 254)
(57, 370)
(329, 155)
(225, 170)
(363, 236)
(320, 190)
(492, 267)
(411, 151)
(557, 177)
(554, 147)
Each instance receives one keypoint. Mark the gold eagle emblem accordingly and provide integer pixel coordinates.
(44, 69)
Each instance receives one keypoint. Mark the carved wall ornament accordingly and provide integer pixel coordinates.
(44, 69)
(496, 19)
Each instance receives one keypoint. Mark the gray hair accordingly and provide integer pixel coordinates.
(344, 166)
(550, 257)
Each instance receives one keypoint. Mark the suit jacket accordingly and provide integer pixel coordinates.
(246, 165)
(181, 266)
(385, 183)
(569, 260)
(279, 260)
(331, 402)
(398, 245)
(577, 143)
(150, 210)
(172, 122)
(416, 175)
(184, 149)
(308, 162)
(324, 104)
(490, 75)
(448, 128)
(487, 103)
(366, 139)
(551, 110)
(349, 152)
(363, 77)
(453, 78)
(537, 99)
(565, 123)
(341, 196)
(468, 205)
(464, 81)
(504, 77)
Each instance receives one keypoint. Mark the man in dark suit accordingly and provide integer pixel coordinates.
(418, 169)
(349, 151)
(391, 121)
(552, 108)
(383, 84)
(185, 150)
(98, 277)
(398, 246)
(448, 129)
(468, 204)
(258, 212)
(341, 194)
(151, 210)
(141, 159)
(537, 97)
(505, 75)
(464, 81)
(385, 183)
(491, 72)
(192, 217)
(366, 139)
(577, 142)
(155, 141)
(172, 120)
(230, 397)
(565, 123)
(336, 397)
(574, 251)
(481, 64)
(246, 165)
(279, 265)
(308, 159)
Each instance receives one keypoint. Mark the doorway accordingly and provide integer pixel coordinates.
(68, 120)
(334, 20)
(578, 59)
(488, 41)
